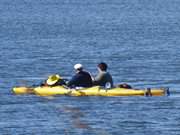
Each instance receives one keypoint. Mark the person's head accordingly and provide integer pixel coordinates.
(102, 66)
(78, 67)
(53, 79)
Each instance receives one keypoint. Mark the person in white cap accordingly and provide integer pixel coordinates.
(81, 78)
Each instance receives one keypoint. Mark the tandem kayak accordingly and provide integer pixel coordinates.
(93, 91)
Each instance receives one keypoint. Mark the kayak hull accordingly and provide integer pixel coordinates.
(93, 91)
(23, 90)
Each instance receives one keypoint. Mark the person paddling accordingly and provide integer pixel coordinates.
(81, 78)
(54, 80)
(103, 78)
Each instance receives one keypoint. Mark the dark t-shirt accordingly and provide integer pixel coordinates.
(81, 79)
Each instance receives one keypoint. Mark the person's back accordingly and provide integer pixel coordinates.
(81, 79)
(103, 78)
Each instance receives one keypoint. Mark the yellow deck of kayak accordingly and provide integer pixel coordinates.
(93, 91)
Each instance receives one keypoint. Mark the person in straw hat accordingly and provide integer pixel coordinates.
(54, 80)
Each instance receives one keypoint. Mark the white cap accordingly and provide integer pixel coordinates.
(78, 66)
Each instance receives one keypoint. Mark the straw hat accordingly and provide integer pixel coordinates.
(53, 79)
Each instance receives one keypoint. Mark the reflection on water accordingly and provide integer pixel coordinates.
(77, 120)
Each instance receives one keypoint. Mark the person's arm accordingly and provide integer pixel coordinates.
(61, 82)
(97, 79)
(92, 78)
(72, 81)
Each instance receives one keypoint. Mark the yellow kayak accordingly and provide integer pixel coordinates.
(93, 91)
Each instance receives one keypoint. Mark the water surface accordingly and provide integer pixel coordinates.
(138, 39)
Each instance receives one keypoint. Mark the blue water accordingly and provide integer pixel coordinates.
(138, 39)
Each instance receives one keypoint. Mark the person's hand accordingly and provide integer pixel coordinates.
(92, 78)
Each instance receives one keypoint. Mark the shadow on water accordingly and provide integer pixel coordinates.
(76, 116)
